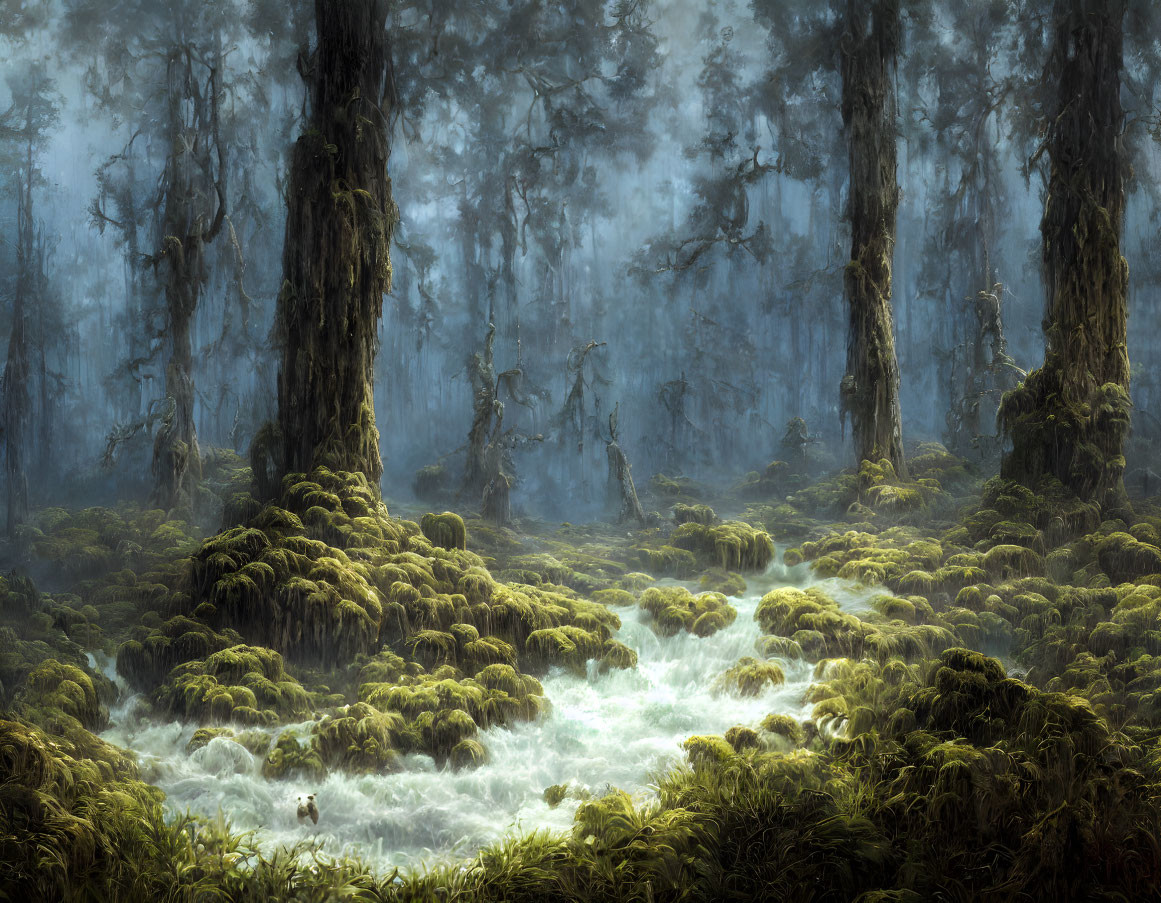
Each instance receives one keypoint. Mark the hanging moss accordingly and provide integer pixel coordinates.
(445, 530)
(750, 677)
(1124, 558)
(696, 514)
(674, 609)
(732, 546)
(244, 684)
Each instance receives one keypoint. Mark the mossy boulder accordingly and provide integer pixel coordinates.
(289, 758)
(706, 751)
(697, 514)
(733, 546)
(719, 580)
(751, 677)
(445, 530)
(243, 684)
(1125, 558)
(674, 609)
(785, 727)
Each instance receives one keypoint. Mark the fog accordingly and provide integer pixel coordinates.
(663, 181)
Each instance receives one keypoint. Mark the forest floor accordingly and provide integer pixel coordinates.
(985, 727)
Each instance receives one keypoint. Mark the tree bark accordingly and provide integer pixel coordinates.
(188, 228)
(870, 388)
(336, 260)
(16, 370)
(1069, 419)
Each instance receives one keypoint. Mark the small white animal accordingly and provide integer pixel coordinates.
(307, 809)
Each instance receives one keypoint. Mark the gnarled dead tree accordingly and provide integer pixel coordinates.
(336, 260)
(870, 388)
(1069, 419)
(622, 493)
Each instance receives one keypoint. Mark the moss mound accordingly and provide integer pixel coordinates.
(733, 546)
(750, 677)
(674, 609)
(242, 684)
(445, 530)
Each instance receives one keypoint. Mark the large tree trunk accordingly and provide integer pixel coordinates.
(192, 194)
(1070, 418)
(336, 261)
(870, 388)
(16, 371)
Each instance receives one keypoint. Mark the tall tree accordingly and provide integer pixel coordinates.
(162, 66)
(24, 126)
(336, 261)
(870, 388)
(1070, 418)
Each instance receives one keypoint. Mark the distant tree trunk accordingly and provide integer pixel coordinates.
(482, 372)
(870, 388)
(16, 369)
(1070, 418)
(336, 260)
(187, 228)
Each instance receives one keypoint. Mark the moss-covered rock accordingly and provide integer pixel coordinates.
(717, 580)
(750, 677)
(243, 684)
(289, 758)
(696, 514)
(445, 530)
(733, 546)
(674, 609)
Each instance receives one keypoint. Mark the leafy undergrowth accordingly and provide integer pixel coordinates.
(325, 635)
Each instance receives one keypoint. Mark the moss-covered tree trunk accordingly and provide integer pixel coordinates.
(336, 261)
(1070, 418)
(195, 207)
(16, 371)
(870, 388)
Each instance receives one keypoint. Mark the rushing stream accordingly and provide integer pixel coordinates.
(619, 729)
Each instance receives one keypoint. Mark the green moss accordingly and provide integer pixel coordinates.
(742, 738)
(289, 758)
(244, 684)
(697, 514)
(674, 609)
(617, 655)
(204, 735)
(707, 750)
(721, 581)
(1125, 558)
(733, 546)
(445, 530)
(360, 740)
(618, 597)
(58, 694)
(468, 754)
(555, 795)
(750, 677)
(785, 727)
(1007, 561)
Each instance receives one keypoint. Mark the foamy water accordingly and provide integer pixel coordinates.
(619, 729)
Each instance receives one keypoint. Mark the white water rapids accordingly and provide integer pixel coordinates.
(619, 729)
